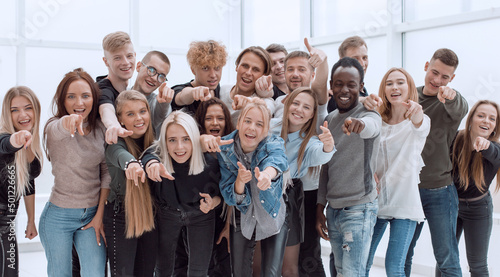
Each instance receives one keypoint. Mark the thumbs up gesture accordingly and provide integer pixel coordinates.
(317, 55)
(20, 139)
(264, 86)
(263, 179)
(326, 138)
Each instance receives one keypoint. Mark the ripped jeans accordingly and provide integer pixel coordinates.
(350, 230)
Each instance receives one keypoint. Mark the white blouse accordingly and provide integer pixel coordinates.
(399, 162)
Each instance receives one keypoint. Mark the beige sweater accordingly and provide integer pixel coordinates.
(78, 165)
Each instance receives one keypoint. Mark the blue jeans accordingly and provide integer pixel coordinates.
(401, 234)
(350, 230)
(441, 211)
(60, 228)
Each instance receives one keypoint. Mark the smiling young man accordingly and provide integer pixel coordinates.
(119, 58)
(152, 72)
(346, 182)
(278, 53)
(353, 47)
(446, 108)
(206, 59)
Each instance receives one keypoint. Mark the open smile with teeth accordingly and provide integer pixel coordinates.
(297, 116)
(214, 131)
(180, 154)
(246, 80)
(250, 136)
(23, 122)
(139, 125)
(212, 83)
(150, 83)
(344, 99)
(395, 94)
(484, 128)
(79, 111)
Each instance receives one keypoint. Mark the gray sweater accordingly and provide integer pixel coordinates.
(78, 165)
(347, 179)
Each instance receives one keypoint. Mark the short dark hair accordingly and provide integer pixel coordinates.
(298, 54)
(446, 56)
(349, 62)
(276, 48)
(159, 54)
(351, 42)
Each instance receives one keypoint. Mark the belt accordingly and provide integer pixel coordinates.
(473, 199)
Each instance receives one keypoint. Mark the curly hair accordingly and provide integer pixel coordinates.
(206, 53)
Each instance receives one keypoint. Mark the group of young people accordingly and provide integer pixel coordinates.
(202, 179)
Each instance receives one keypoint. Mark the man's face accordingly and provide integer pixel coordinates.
(360, 54)
(121, 63)
(278, 68)
(437, 74)
(207, 76)
(145, 83)
(346, 85)
(298, 73)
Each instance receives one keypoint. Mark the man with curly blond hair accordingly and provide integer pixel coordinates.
(206, 59)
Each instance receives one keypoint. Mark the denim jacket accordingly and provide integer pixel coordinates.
(269, 152)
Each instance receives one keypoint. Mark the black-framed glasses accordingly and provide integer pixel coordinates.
(152, 72)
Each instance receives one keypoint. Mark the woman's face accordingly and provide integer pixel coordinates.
(484, 121)
(396, 87)
(250, 68)
(135, 117)
(23, 114)
(79, 99)
(179, 145)
(215, 120)
(301, 110)
(251, 130)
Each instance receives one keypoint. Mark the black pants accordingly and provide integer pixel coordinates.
(310, 263)
(128, 257)
(9, 256)
(242, 249)
(220, 262)
(199, 234)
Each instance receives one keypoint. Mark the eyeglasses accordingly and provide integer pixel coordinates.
(152, 72)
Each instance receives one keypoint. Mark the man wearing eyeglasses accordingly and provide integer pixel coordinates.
(206, 59)
(152, 73)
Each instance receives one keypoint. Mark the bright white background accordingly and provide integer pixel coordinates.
(41, 40)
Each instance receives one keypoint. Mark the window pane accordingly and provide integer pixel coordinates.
(362, 17)
(267, 22)
(175, 24)
(7, 69)
(75, 21)
(8, 19)
(426, 9)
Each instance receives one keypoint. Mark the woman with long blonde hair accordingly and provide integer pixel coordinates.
(186, 200)
(476, 161)
(20, 163)
(128, 215)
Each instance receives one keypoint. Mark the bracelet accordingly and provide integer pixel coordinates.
(132, 161)
(153, 162)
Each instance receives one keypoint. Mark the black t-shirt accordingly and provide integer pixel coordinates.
(277, 92)
(108, 92)
(7, 169)
(332, 105)
(191, 108)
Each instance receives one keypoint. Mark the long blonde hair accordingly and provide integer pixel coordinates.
(469, 163)
(307, 131)
(139, 217)
(197, 161)
(7, 126)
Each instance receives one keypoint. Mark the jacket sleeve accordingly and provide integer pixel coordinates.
(118, 156)
(226, 185)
